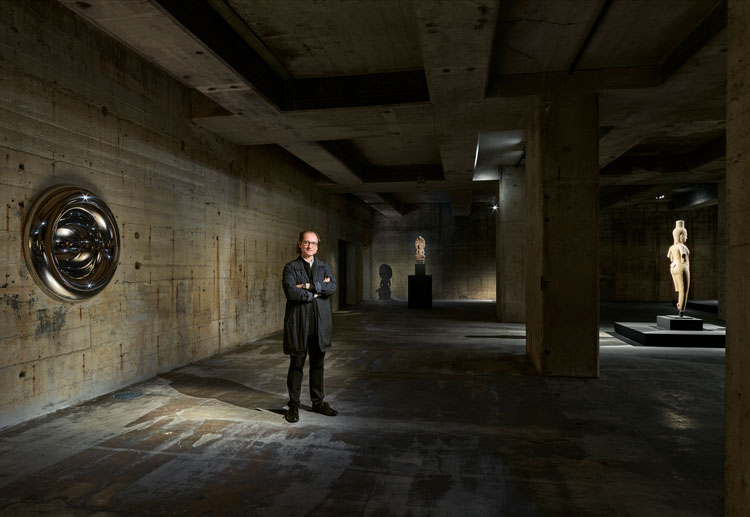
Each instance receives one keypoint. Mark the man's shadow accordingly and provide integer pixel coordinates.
(226, 391)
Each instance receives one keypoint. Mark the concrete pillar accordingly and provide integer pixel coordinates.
(562, 232)
(721, 248)
(510, 283)
(737, 485)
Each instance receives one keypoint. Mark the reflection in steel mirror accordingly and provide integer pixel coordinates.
(71, 243)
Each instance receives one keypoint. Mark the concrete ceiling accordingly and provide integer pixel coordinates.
(388, 98)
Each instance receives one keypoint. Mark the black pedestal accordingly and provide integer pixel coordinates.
(674, 331)
(679, 323)
(420, 289)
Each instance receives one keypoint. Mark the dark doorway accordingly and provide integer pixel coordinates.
(341, 288)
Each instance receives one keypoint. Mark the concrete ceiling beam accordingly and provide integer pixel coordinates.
(348, 153)
(708, 173)
(590, 35)
(320, 159)
(203, 107)
(384, 203)
(595, 80)
(696, 94)
(707, 30)
(706, 153)
(456, 39)
(241, 27)
(408, 186)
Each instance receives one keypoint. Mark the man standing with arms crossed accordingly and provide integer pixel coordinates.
(308, 325)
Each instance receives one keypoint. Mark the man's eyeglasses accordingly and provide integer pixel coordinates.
(310, 243)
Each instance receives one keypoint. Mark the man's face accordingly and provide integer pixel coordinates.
(309, 245)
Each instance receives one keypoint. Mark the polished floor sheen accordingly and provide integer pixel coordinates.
(439, 414)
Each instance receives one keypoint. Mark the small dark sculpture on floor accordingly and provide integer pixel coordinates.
(385, 271)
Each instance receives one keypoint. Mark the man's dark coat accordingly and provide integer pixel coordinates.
(303, 309)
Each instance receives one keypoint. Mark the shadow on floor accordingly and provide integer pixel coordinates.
(224, 390)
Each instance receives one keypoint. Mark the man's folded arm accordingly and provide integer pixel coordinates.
(326, 288)
(291, 290)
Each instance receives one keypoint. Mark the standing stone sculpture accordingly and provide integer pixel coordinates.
(679, 255)
(420, 244)
(420, 283)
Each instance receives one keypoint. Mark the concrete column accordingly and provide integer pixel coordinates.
(562, 232)
(737, 483)
(721, 248)
(510, 278)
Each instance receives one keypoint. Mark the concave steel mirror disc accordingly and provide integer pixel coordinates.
(71, 243)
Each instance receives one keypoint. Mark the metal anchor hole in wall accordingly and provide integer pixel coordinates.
(71, 243)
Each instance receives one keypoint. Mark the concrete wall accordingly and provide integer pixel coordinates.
(205, 226)
(633, 246)
(460, 251)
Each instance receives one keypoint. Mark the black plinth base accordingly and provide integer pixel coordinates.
(648, 334)
(420, 291)
(679, 323)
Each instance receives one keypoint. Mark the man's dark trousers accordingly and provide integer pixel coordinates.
(296, 369)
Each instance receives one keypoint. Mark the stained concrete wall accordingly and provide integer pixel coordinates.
(460, 251)
(633, 246)
(205, 226)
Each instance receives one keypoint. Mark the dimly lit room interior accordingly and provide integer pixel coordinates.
(497, 186)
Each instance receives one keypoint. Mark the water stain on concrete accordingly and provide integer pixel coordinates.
(14, 302)
(50, 322)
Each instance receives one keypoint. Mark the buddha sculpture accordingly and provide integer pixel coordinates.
(420, 245)
(679, 255)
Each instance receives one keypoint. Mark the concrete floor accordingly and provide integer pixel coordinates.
(439, 415)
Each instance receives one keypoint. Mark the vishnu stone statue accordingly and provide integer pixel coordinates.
(679, 255)
(420, 244)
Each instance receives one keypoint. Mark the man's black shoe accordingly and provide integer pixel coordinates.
(292, 414)
(325, 409)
